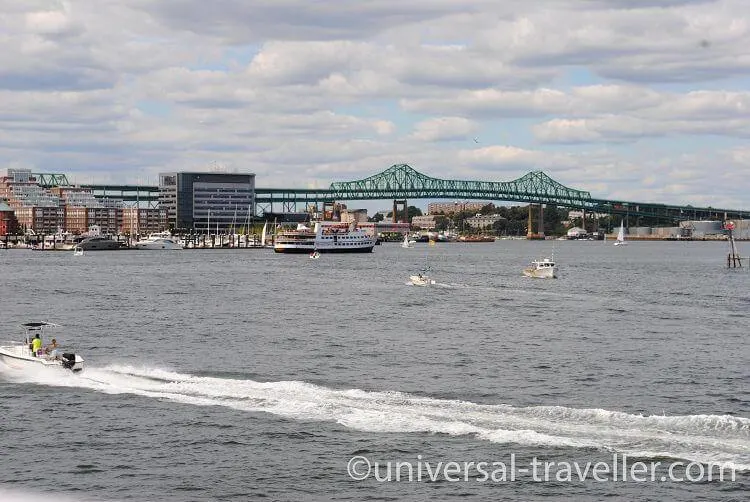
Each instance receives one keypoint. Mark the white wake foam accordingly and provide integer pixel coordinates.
(701, 438)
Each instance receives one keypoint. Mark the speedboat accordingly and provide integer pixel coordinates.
(314, 255)
(541, 269)
(19, 355)
(78, 252)
(421, 280)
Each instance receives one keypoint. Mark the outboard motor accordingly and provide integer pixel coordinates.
(72, 362)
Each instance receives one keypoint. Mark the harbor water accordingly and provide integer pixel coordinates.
(245, 375)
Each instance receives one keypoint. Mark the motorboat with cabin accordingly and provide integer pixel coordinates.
(20, 355)
(326, 237)
(97, 243)
(541, 269)
(159, 241)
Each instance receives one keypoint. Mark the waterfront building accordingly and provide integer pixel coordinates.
(35, 207)
(577, 233)
(352, 215)
(201, 201)
(82, 210)
(8, 221)
(483, 221)
(142, 220)
(388, 228)
(426, 222)
(454, 207)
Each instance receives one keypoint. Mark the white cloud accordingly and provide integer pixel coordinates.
(444, 129)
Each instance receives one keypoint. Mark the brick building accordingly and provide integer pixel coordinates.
(8, 221)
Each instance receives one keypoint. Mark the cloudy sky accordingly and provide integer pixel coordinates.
(645, 100)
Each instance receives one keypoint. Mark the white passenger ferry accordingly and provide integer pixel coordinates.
(326, 237)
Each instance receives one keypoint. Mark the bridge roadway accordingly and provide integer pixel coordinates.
(401, 181)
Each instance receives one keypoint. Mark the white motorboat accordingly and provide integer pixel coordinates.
(541, 269)
(159, 241)
(621, 236)
(19, 355)
(77, 251)
(314, 255)
(421, 279)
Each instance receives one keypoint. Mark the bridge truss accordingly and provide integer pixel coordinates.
(401, 181)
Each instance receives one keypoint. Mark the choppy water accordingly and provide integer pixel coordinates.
(239, 375)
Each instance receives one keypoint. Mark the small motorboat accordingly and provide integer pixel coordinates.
(314, 255)
(421, 280)
(541, 269)
(77, 251)
(19, 355)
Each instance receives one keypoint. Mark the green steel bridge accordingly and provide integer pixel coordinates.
(403, 182)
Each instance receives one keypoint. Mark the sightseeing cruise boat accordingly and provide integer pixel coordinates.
(20, 355)
(326, 237)
(160, 240)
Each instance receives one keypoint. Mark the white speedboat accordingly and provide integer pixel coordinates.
(314, 255)
(19, 355)
(77, 251)
(541, 269)
(421, 280)
(159, 241)
(621, 236)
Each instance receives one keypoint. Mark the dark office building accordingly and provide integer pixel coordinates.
(203, 202)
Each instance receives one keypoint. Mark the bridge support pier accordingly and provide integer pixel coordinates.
(404, 216)
(539, 234)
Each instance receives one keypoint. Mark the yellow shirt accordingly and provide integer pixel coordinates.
(36, 344)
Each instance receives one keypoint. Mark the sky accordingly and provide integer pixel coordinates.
(641, 100)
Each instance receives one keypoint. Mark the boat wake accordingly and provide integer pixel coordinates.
(701, 438)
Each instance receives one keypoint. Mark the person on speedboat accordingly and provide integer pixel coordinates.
(51, 349)
(36, 344)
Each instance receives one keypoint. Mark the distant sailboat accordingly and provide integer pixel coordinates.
(407, 243)
(621, 236)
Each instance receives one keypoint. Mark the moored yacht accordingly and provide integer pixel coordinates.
(98, 243)
(159, 241)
